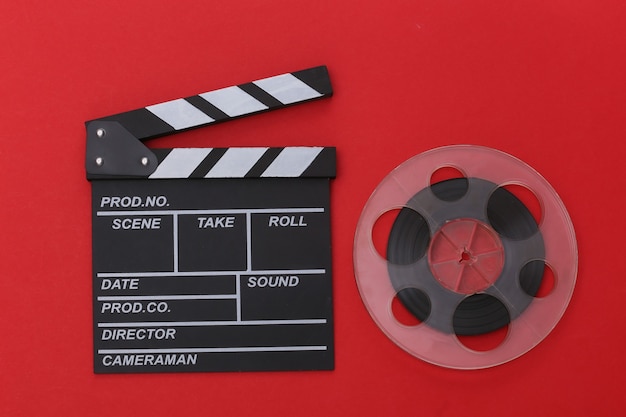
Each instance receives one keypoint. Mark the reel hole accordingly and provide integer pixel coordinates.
(382, 229)
(537, 279)
(528, 199)
(486, 341)
(401, 236)
(448, 183)
(547, 283)
(514, 211)
(410, 307)
(481, 322)
(444, 174)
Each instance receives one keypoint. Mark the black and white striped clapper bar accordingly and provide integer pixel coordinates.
(211, 259)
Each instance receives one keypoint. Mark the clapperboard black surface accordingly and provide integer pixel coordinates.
(208, 259)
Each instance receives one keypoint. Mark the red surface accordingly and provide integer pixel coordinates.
(543, 81)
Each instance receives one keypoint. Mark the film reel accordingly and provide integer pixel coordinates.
(466, 257)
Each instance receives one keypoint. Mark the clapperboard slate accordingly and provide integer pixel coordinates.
(211, 259)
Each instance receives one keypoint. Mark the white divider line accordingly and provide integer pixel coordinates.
(208, 273)
(238, 296)
(175, 237)
(248, 242)
(167, 297)
(213, 323)
(213, 350)
(213, 211)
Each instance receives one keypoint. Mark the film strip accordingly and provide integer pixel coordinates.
(466, 257)
(211, 259)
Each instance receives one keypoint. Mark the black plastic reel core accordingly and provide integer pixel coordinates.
(478, 313)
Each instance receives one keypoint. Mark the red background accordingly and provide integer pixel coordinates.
(543, 81)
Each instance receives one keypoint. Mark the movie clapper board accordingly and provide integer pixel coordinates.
(211, 259)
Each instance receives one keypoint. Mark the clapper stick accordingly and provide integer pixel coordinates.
(211, 259)
(114, 145)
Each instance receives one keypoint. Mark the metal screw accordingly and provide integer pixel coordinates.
(101, 132)
(99, 161)
(144, 161)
